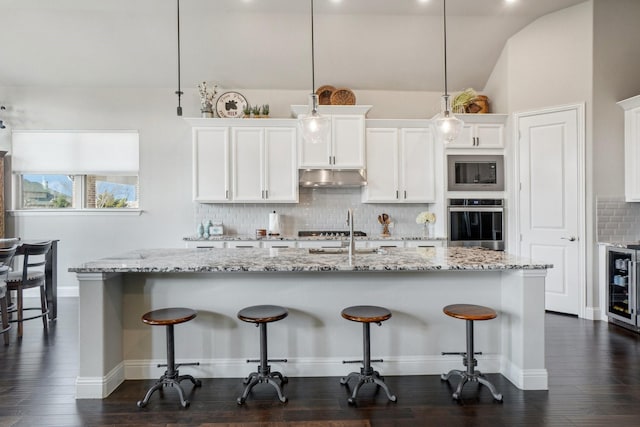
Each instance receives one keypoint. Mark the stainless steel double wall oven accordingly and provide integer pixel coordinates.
(476, 222)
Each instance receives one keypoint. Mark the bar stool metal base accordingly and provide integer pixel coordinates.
(261, 315)
(171, 377)
(470, 375)
(171, 380)
(366, 315)
(366, 376)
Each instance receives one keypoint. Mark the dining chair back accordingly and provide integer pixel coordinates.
(4, 311)
(31, 276)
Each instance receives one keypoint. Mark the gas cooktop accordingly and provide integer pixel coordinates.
(330, 233)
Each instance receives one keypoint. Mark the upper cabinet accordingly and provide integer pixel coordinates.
(481, 131)
(345, 147)
(631, 108)
(236, 160)
(210, 164)
(400, 166)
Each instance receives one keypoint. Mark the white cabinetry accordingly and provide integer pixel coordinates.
(345, 147)
(210, 164)
(481, 131)
(400, 166)
(631, 108)
(263, 166)
(236, 160)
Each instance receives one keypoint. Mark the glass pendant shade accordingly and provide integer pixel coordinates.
(314, 127)
(448, 126)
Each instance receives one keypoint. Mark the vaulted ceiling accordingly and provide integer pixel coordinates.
(258, 44)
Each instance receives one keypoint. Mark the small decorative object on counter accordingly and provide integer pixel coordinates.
(216, 229)
(427, 219)
(207, 227)
(265, 110)
(385, 220)
(207, 94)
(255, 111)
(462, 101)
(200, 230)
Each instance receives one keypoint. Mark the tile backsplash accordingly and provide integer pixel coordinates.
(318, 209)
(618, 221)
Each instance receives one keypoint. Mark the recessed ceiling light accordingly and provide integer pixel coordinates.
(423, 1)
(336, 1)
(510, 1)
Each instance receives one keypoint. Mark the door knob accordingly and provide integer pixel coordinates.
(571, 239)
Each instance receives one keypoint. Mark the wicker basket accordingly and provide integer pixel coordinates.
(343, 96)
(324, 94)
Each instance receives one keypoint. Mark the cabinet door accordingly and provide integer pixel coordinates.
(632, 154)
(489, 136)
(210, 164)
(382, 165)
(417, 166)
(247, 155)
(347, 134)
(466, 138)
(314, 155)
(281, 172)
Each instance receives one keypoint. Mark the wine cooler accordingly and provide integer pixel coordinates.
(622, 287)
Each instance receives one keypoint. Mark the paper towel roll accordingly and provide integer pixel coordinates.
(274, 224)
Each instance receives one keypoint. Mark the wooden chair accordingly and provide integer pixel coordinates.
(34, 256)
(4, 328)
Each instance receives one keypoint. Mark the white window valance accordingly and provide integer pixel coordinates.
(75, 153)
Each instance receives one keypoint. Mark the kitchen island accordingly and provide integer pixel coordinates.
(415, 284)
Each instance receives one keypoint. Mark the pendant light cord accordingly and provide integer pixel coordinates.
(444, 26)
(313, 65)
(179, 91)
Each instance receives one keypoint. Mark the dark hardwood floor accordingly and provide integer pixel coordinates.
(594, 371)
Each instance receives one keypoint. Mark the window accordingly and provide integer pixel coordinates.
(75, 170)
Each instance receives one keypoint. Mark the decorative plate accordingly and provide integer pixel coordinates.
(231, 105)
(324, 94)
(343, 97)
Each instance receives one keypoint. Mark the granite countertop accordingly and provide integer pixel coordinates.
(298, 260)
(247, 237)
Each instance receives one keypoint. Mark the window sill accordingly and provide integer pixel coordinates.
(81, 212)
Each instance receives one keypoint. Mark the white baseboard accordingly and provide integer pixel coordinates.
(100, 387)
(526, 379)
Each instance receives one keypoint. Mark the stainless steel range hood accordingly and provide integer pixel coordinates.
(332, 177)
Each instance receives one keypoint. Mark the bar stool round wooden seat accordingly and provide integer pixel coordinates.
(169, 317)
(470, 313)
(261, 315)
(366, 314)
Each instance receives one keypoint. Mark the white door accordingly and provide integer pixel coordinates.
(417, 166)
(551, 199)
(382, 165)
(347, 135)
(211, 164)
(247, 159)
(281, 167)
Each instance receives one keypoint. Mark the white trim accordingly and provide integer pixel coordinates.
(582, 190)
(72, 211)
(100, 387)
(526, 379)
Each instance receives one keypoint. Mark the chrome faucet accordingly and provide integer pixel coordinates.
(352, 242)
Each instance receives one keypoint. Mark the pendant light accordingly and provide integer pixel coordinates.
(179, 91)
(447, 125)
(314, 127)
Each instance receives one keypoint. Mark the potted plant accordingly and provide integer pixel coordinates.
(255, 110)
(265, 110)
(247, 111)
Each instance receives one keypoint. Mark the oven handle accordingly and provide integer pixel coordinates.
(476, 209)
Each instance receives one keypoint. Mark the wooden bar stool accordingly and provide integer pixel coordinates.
(366, 314)
(171, 377)
(261, 315)
(470, 312)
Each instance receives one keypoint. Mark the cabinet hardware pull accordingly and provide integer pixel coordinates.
(397, 194)
(266, 194)
(226, 194)
(405, 194)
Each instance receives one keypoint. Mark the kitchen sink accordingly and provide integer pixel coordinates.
(333, 251)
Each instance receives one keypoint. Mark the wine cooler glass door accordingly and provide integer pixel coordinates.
(621, 304)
